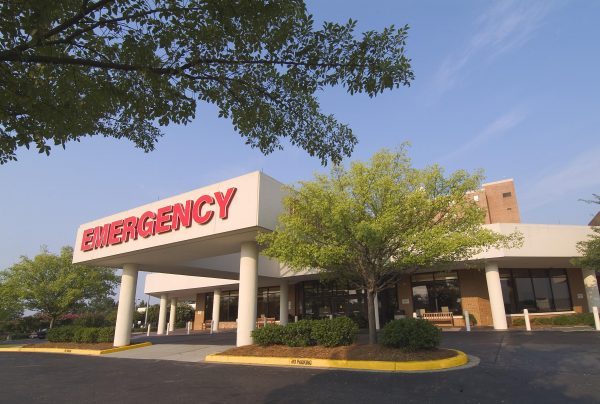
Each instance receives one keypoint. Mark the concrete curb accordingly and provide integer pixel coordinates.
(459, 360)
(75, 351)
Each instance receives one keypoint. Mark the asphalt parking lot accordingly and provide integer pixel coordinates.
(546, 366)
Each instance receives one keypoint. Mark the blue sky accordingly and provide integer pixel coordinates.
(511, 87)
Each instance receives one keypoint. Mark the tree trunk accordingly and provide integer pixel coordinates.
(371, 315)
(51, 322)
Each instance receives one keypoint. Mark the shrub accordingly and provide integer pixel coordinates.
(411, 334)
(87, 335)
(298, 334)
(62, 334)
(472, 319)
(360, 320)
(106, 334)
(270, 334)
(335, 332)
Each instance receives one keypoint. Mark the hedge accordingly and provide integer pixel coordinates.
(411, 334)
(335, 332)
(88, 335)
(562, 320)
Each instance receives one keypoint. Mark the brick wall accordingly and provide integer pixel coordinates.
(404, 294)
(199, 312)
(501, 200)
(474, 295)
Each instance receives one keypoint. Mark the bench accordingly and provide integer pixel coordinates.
(441, 317)
(261, 321)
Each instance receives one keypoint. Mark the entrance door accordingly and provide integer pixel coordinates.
(388, 304)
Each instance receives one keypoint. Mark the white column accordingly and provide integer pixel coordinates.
(126, 305)
(162, 315)
(376, 303)
(173, 314)
(283, 302)
(591, 288)
(216, 312)
(248, 293)
(492, 276)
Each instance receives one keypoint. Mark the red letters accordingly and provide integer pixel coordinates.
(87, 240)
(165, 219)
(101, 235)
(224, 202)
(197, 211)
(114, 236)
(144, 228)
(181, 215)
(130, 228)
(161, 218)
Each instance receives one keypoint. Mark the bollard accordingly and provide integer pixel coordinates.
(264, 321)
(189, 323)
(331, 316)
(467, 320)
(414, 314)
(148, 333)
(295, 319)
(168, 326)
(527, 323)
(211, 326)
(596, 319)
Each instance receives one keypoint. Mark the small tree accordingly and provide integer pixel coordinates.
(52, 285)
(10, 306)
(590, 248)
(371, 223)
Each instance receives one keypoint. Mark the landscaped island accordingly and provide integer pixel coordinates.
(407, 344)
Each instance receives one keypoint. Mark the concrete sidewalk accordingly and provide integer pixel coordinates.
(171, 352)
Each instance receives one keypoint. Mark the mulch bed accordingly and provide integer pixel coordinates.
(72, 345)
(352, 352)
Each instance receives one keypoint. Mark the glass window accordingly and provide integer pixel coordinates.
(538, 290)
(560, 290)
(543, 294)
(436, 292)
(525, 296)
(422, 277)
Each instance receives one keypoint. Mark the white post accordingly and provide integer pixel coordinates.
(527, 323)
(162, 315)
(248, 293)
(148, 333)
(283, 302)
(173, 314)
(126, 305)
(492, 276)
(467, 320)
(590, 282)
(376, 303)
(414, 314)
(295, 319)
(596, 319)
(187, 327)
(168, 328)
(216, 311)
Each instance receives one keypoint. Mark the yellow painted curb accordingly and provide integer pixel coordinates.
(75, 351)
(460, 359)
